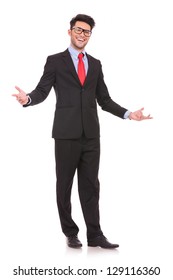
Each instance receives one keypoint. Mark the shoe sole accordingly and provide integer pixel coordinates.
(75, 247)
(113, 247)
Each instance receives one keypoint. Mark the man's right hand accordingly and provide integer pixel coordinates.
(21, 96)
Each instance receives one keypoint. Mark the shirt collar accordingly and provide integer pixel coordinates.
(74, 53)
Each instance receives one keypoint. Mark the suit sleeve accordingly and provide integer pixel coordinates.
(47, 81)
(104, 99)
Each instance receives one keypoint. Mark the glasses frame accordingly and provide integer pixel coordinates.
(79, 30)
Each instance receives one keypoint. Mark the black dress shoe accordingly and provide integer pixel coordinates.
(73, 242)
(102, 242)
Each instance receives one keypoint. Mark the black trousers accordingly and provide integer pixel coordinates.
(82, 155)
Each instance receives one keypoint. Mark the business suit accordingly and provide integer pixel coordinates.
(76, 132)
(76, 127)
(76, 104)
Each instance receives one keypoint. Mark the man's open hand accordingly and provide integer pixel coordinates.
(138, 115)
(21, 96)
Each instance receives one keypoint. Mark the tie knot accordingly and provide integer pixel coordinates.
(80, 55)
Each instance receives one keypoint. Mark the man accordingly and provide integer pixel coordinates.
(78, 83)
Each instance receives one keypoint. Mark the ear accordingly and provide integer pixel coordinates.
(69, 32)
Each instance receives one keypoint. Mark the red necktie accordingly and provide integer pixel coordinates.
(81, 68)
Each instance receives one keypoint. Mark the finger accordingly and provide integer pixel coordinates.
(149, 117)
(18, 88)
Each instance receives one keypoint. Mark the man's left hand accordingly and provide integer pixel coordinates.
(138, 115)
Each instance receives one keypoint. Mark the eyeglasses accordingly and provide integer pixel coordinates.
(79, 30)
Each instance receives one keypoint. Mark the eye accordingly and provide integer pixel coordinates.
(87, 32)
(78, 29)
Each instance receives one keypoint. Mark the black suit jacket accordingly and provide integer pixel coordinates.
(76, 108)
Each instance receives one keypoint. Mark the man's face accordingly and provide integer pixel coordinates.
(79, 41)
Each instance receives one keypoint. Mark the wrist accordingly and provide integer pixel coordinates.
(130, 116)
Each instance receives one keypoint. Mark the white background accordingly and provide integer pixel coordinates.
(133, 39)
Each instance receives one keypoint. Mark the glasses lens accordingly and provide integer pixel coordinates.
(79, 30)
(87, 33)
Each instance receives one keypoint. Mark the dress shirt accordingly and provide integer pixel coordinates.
(74, 55)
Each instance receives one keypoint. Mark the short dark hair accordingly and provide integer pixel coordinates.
(81, 17)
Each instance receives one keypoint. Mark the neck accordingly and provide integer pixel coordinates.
(77, 49)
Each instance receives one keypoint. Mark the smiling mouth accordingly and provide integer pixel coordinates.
(81, 40)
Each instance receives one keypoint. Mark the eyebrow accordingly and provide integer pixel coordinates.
(82, 28)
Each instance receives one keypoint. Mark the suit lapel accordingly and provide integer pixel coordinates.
(90, 69)
(69, 63)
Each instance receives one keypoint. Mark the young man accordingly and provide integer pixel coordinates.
(78, 82)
